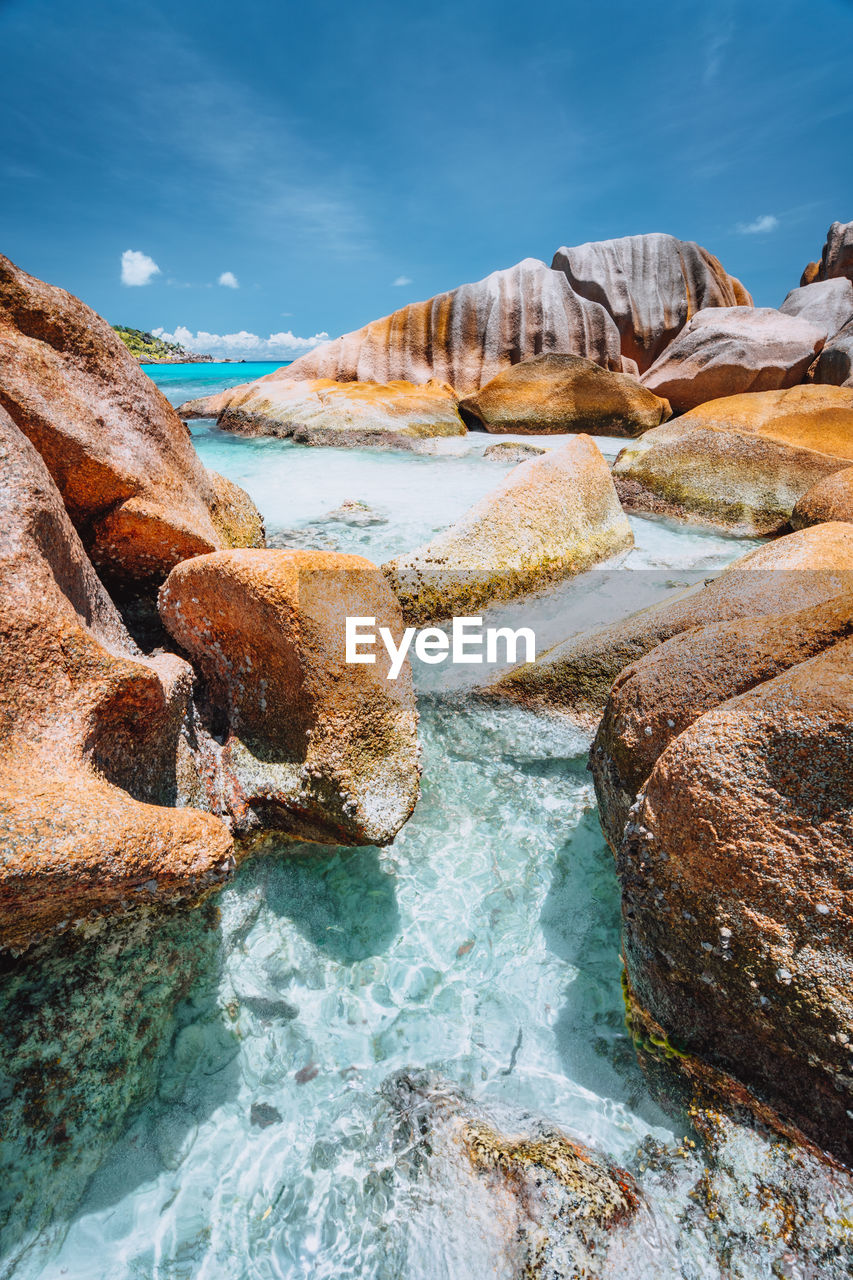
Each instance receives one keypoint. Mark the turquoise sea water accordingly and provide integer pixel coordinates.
(199, 1098)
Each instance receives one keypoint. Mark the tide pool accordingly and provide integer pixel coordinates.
(200, 1097)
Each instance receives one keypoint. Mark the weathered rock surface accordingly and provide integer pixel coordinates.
(512, 451)
(834, 365)
(651, 285)
(656, 698)
(89, 732)
(826, 303)
(323, 412)
(124, 463)
(795, 572)
(549, 519)
(837, 257)
(468, 335)
(742, 462)
(829, 499)
(556, 393)
(318, 748)
(724, 351)
(550, 1206)
(737, 880)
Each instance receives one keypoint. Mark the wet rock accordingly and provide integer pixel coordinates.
(655, 699)
(726, 351)
(299, 740)
(341, 414)
(836, 261)
(467, 336)
(549, 519)
(509, 451)
(736, 882)
(651, 285)
(827, 303)
(90, 733)
(542, 1203)
(557, 393)
(262, 1115)
(124, 463)
(795, 572)
(829, 499)
(740, 463)
(87, 1028)
(356, 513)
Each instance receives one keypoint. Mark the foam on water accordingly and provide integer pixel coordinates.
(249, 1137)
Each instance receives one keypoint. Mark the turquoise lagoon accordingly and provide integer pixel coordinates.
(199, 1098)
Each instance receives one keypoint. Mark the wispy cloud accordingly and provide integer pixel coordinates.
(278, 346)
(402, 280)
(229, 280)
(137, 268)
(720, 36)
(759, 226)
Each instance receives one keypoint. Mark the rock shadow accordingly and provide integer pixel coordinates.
(339, 899)
(581, 923)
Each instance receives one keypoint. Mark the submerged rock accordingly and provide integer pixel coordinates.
(656, 698)
(549, 519)
(837, 258)
(651, 285)
(468, 335)
(511, 451)
(795, 572)
(725, 351)
(90, 733)
(341, 414)
(314, 746)
(538, 1203)
(557, 393)
(742, 462)
(124, 464)
(736, 883)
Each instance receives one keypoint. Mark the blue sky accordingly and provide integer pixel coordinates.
(341, 159)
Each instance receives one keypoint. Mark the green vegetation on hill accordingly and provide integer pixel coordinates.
(146, 347)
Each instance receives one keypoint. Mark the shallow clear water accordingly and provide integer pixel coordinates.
(200, 1099)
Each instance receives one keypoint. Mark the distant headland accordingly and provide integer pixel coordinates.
(151, 350)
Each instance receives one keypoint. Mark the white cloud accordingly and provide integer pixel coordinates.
(137, 268)
(278, 346)
(229, 280)
(400, 281)
(767, 222)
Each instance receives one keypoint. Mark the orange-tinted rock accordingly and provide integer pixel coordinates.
(89, 732)
(342, 414)
(740, 462)
(651, 285)
(834, 365)
(737, 881)
(794, 572)
(829, 499)
(313, 746)
(555, 393)
(122, 460)
(549, 519)
(656, 698)
(725, 351)
(467, 336)
(837, 257)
